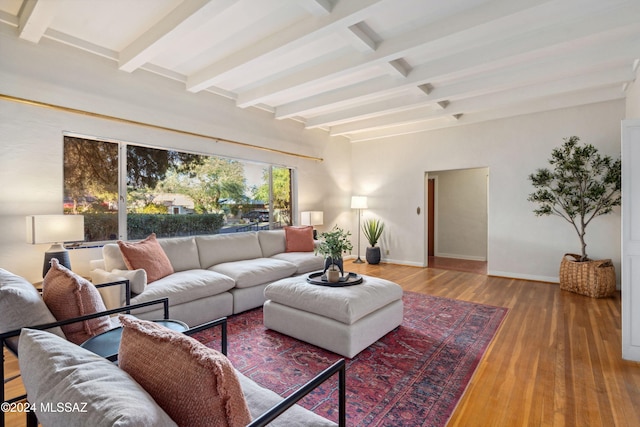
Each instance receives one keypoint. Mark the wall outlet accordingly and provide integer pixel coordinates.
(387, 251)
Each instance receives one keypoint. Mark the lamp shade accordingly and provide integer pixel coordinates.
(358, 202)
(54, 228)
(311, 218)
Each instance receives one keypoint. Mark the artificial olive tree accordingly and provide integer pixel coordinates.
(581, 185)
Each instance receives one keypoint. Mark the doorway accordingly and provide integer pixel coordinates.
(457, 219)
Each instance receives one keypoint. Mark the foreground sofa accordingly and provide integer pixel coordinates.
(70, 386)
(213, 276)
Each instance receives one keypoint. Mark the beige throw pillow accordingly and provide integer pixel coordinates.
(194, 384)
(68, 295)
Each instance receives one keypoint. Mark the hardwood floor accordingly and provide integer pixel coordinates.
(556, 360)
(479, 267)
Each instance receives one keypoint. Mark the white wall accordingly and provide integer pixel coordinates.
(633, 98)
(519, 243)
(461, 213)
(31, 137)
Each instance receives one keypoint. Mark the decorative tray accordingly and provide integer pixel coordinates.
(349, 279)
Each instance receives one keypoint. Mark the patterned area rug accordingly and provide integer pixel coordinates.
(413, 376)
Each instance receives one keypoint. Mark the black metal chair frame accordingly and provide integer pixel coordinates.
(338, 367)
(275, 411)
(4, 337)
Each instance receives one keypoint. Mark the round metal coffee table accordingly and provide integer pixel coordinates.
(107, 343)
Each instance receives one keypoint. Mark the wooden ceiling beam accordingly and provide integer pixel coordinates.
(344, 13)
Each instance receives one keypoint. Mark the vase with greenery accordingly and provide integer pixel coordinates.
(581, 185)
(332, 245)
(372, 229)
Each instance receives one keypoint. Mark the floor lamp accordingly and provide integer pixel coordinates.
(359, 202)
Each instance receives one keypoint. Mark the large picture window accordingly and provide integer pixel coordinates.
(168, 192)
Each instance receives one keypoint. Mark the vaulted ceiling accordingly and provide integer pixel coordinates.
(363, 69)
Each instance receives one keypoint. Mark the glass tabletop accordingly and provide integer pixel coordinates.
(107, 343)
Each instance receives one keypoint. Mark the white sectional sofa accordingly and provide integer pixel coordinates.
(214, 276)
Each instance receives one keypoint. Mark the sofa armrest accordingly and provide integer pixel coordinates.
(111, 297)
(277, 410)
(127, 289)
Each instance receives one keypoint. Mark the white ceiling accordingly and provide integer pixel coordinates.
(363, 69)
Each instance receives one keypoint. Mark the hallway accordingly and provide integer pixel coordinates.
(468, 266)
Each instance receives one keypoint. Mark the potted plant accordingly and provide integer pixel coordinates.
(332, 245)
(372, 229)
(581, 186)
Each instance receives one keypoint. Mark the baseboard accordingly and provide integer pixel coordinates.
(534, 278)
(402, 262)
(458, 256)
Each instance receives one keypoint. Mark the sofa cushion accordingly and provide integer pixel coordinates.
(305, 262)
(68, 295)
(223, 248)
(182, 252)
(21, 305)
(255, 271)
(194, 384)
(56, 373)
(185, 286)
(299, 239)
(148, 255)
(261, 399)
(272, 242)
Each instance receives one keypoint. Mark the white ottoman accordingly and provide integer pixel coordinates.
(345, 320)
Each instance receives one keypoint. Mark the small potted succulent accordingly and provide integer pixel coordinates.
(332, 245)
(372, 229)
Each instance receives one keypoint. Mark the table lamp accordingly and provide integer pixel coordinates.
(55, 229)
(359, 203)
(312, 218)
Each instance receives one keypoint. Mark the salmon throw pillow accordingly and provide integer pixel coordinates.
(299, 239)
(148, 255)
(194, 384)
(68, 295)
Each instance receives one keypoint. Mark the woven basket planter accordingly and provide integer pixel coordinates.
(596, 279)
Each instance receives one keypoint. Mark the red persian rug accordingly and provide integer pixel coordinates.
(413, 376)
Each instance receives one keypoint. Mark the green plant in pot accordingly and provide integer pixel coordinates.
(332, 245)
(372, 229)
(581, 186)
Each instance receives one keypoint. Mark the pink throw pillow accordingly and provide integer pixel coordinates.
(194, 384)
(68, 295)
(299, 239)
(148, 255)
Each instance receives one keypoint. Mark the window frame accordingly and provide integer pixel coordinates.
(122, 181)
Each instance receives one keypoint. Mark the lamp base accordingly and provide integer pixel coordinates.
(358, 261)
(54, 252)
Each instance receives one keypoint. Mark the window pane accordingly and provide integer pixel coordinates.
(282, 196)
(91, 186)
(171, 193)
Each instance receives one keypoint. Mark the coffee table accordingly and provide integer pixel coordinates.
(345, 320)
(107, 343)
